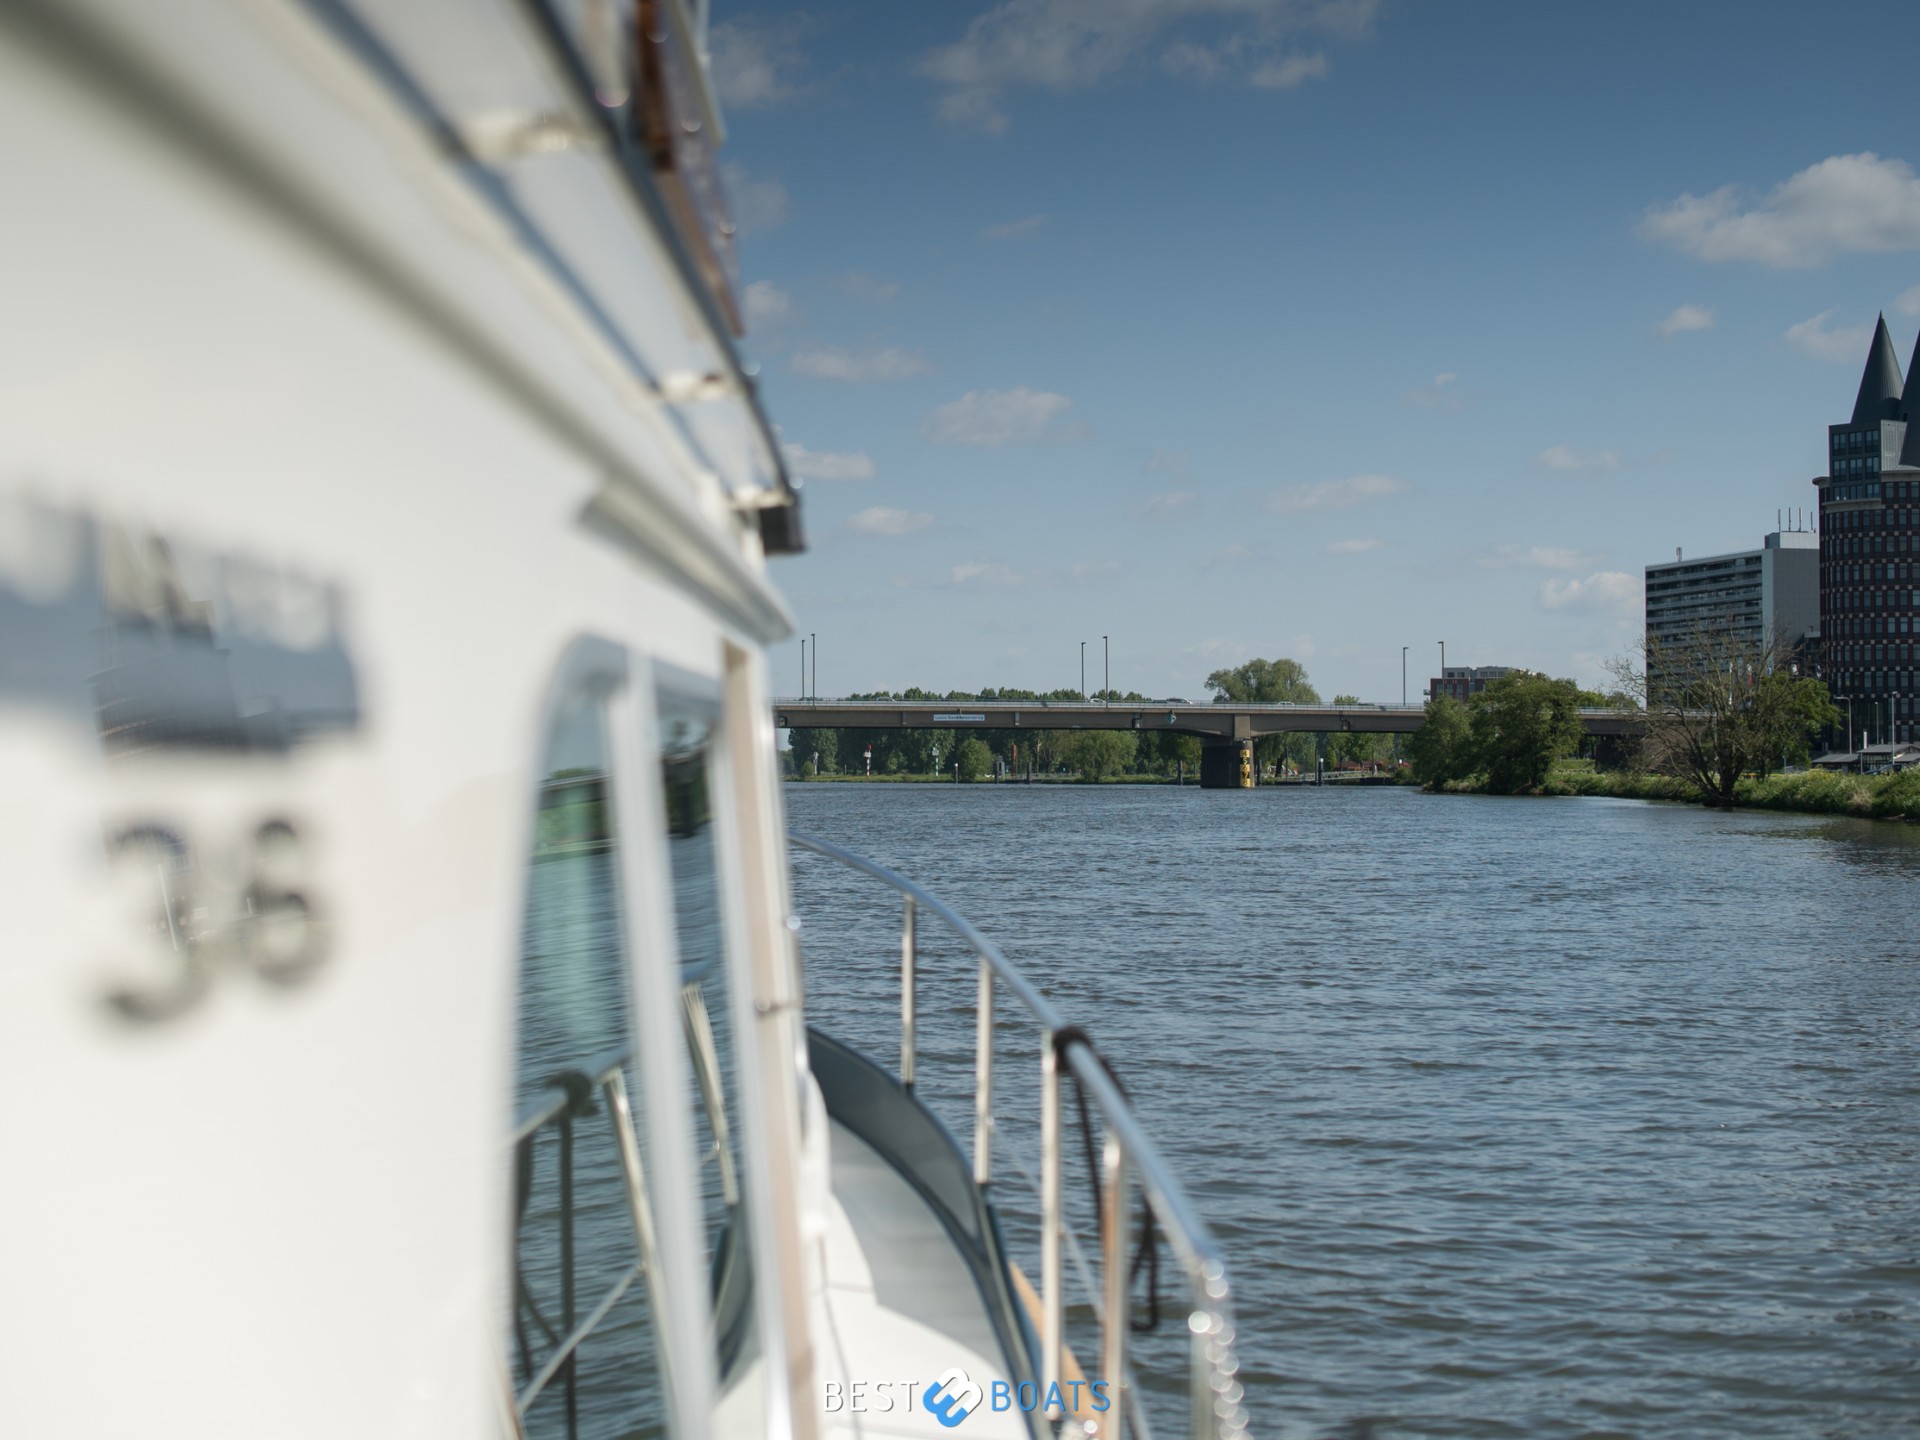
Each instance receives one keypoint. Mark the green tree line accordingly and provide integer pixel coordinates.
(1089, 754)
(1711, 721)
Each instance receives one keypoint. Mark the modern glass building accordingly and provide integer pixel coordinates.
(1869, 521)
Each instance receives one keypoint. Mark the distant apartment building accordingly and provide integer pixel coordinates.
(1461, 682)
(1870, 549)
(1751, 596)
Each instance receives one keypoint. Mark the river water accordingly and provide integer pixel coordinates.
(1542, 1118)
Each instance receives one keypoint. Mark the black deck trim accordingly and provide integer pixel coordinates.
(875, 1106)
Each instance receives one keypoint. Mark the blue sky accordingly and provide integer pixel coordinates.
(1235, 328)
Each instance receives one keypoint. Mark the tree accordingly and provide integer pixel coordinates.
(1263, 682)
(1719, 704)
(1358, 746)
(1096, 754)
(974, 757)
(1269, 682)
(1511, 732)
(806, 743)
(1171, 752)
(1520, 724)
(1442, 748)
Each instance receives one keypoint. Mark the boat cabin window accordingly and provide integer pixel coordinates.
(581, 1344)
(689, 731)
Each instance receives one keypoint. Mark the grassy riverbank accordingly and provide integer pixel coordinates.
(1814, 792)
(947, 779)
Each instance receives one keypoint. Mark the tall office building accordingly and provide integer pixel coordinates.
(1869, 536)
(1769, 594)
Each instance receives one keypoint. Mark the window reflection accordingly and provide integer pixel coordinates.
(578, 1219)
(688, 740)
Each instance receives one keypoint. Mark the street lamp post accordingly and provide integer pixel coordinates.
(1403, 705)
(803, 667)
(1083, 670)
(816, 664)
(1106, 669)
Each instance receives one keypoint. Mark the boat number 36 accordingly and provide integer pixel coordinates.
(203, 911)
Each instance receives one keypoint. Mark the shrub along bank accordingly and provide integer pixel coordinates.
(1814, 792)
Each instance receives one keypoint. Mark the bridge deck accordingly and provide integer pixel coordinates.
(1214, 722)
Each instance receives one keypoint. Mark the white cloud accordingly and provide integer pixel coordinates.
(834, 362)
(1288, 72)
(1909, 302)
(755, 65)
(1020, 416)
(767, 305)
(1335, 494)
(886, 520)
(986, 575)
(1016, 229)
(974, 109)
(1843, 205)
(1231, 555)
(1685, 318)
(1566, 458)
(1440, 395)
(867, 287)
(808, 464)
(1351, 547)
(1534, 557)
(756, 205)
(1835, 347)
(1064, 45)
(1171, 505)
(994, 575)
(1612, 591)
(1234, 60)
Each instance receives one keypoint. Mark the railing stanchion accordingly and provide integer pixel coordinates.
(1113, 1271)
(1051, 1290)
(1129, 1159)
(567, 1300)
(1200, 1375)
(639, 1207)
(983, 1079)
(909, 955)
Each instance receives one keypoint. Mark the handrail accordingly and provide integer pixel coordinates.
(591, 1074)
(1041, 1007)
(1218, 1409)
(575, 1088)
(638, 177)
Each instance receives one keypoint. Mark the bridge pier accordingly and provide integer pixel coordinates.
(1226, 765)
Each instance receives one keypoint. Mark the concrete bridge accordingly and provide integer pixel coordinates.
(1226, 731)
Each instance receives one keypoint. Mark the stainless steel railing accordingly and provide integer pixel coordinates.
(572, 1100)
(1129, 1157)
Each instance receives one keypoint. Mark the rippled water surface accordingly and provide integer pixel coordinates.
(1515, 1117)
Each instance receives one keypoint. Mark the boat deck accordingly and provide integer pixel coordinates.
(902, 1306)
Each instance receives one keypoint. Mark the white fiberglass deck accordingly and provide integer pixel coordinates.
(901, 1305)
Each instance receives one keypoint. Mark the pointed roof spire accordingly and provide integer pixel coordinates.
(1879, 397)
(1910, 412)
